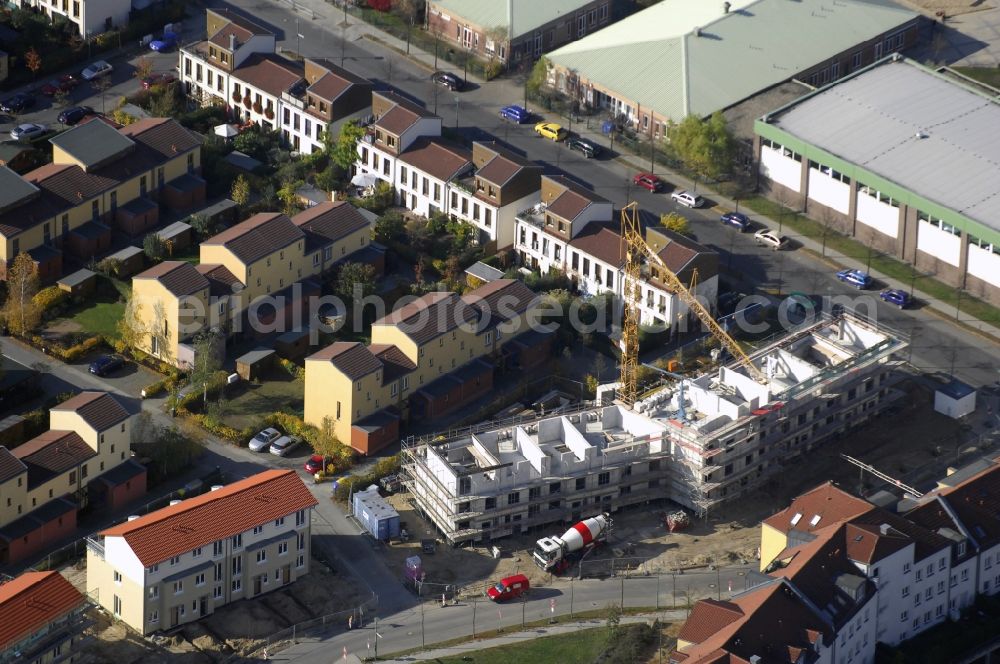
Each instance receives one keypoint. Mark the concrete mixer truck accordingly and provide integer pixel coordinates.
(555, 554)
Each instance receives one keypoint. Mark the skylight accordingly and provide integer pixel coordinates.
(796, 518)
(815, 520)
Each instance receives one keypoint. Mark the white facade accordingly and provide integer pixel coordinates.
(498, 223)
(91, 17)
(984, 263)
(781, 165)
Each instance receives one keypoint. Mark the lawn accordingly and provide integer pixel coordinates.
(579, 646)
(99, 317)
(277, 393)
(988, 75)
(189, 255)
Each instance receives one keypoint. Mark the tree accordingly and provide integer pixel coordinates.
(241, 191)
(33, 61)
(539, 74)
(355, 279)
(20, 311)
(675, 222)
(705, 146)
(288, 197)
(326, 443)
(204, 225)
(344, 152)
(409, 10)
(102, 84)
(498, 34)
(206, 360)
(143, 68)
(380, 200)
(389, 228)
(154, 247)
(60, 99)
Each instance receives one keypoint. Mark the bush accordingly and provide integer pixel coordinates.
(293, 369)
(160, 386)
(49, 298)
(75, 352)
(224, 431)
(213, 386)
(385, 466)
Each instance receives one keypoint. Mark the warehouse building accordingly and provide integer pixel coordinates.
(901, 157)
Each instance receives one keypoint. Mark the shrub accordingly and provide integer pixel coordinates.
(49, 298)
(213, 385)
(75, 352)
(382, 468)
(224, 431)
(160, 386)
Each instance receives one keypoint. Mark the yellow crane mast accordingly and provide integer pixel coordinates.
(636, 249)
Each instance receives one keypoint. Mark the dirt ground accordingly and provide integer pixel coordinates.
(912, 443)
(240, 627)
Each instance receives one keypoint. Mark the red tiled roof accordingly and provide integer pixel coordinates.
(242, 28)
(52, 453)
(163, 136)
(98, 409)
(573, 200)
(437, 157)
(32, 601)
(975, 503)
(220, 280)
(394, 361)
(212, 516)
(261, 235)
(602, 241)
(352, 358)
(827, 501)
(329, 221)
(402, 116)
(178, 277)
(268, 72)
(707, 617)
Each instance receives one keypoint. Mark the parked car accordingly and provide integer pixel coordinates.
(895, 296)
(17, 103)
(158, 79)
(448, 80)
(164, 44)
(509, 588)
(768, 238)
(515, 113)
(96, 70)
(550, 130)
(314, 464)
(648, 181)
(284, 445)
(64, 83)
(263, 440)
(105, 364)
(27, 131)
(587, 148)
(687, 199)
(73, 115)
(856, 278)
(737, 220)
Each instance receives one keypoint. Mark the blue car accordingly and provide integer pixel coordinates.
(105, 364)
(515, 113)
(737, 220)
(168, 41)
(895, 296)
(856, 278)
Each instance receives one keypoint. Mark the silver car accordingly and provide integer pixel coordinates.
(96, 70)
(263, 440)
(27, 131)
(687, 199)
(284, 445)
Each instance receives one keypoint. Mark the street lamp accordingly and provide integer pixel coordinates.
(456, 112)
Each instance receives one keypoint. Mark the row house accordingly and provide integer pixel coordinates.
(572, 230)
(101, 177)
(236, 66)
(89, 17)
(42, 618)
(83, 459)
(183, 562)
(426, 358)
(268, 255)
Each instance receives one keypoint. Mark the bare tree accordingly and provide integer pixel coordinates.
(20, 311)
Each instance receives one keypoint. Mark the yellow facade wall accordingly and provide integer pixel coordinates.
(772, 542)
(101, 585)
(155, 307)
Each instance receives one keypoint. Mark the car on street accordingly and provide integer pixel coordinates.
(586, 147)
(508, 588)
(687, 199)
(765, 237)
(155, 79)
(263, 440)
(857, 278)
(550, 130)
(163, 44)
(448, 80)
(737, 220)
(96, 70)
(64, 83)
(105, 364)
(515, 113)
(314, 464)
(900, 298)
(648, 181)
(73, 115)
(27, 131)
(284, 445)
(17, 103)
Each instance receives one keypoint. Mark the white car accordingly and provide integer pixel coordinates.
(96, 70)
(28, 130)
(768, 238)
(284, 445)
(687, 199)
(263, 440)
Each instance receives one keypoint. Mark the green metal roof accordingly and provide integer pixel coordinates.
(93, 143)
(13, 188)
(682, 57)
(528, 14)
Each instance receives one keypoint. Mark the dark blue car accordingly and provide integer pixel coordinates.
(105, 364)
(737, 220)
(515, 113)
(856, 278)
(895, 296)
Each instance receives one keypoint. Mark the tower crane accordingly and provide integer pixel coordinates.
(636, 249)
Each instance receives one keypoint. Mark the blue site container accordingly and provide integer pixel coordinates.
(376, 515)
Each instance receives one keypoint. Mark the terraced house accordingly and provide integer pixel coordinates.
(269, 254)
(82, 459)
(40, 619)
(100, 177)
(182, 562)
(426, 358)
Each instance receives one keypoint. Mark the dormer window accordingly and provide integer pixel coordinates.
(961, 549)
(322, 107)
(390, 141)
(312, 102)
(211, 52)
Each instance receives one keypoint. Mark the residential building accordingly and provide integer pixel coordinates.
(709, 56)
(40, 619)
(82, 460)
(826, 155)
(268, 255)
(236, 66)
(89, 17)
(574, 231)
(515, 31)
(701, 443)
(100, 176)
(182, 562)
(425, 359)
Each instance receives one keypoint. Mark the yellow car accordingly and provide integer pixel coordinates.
(550, 130)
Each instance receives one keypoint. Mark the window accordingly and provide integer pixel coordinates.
(154, 616)
(237, 565)
(196, 553)
(604, 479)
(175, 560)
(216, 548)
(217, 592)
(906, 568)
(514, 498)
(237, 585)
(118, 578)
(257, 530)
(117, 605)
(262, 556)
(904, 616)
(178, 587)
(154, 592)
(302, 542)
(581, 483)
(200, 579)
(300, 561)
(906, 591)
(282, 548)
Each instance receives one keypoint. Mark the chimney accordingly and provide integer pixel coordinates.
(725, 7)
(232, 42)
(884, 528)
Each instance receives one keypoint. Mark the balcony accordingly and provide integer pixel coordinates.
(96, 546)
(287, 98)
(534, 215)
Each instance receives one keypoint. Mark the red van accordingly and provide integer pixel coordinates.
(511, 587)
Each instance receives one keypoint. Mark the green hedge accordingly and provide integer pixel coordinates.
(385, 466)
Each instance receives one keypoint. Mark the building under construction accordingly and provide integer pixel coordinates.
(698, 442)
